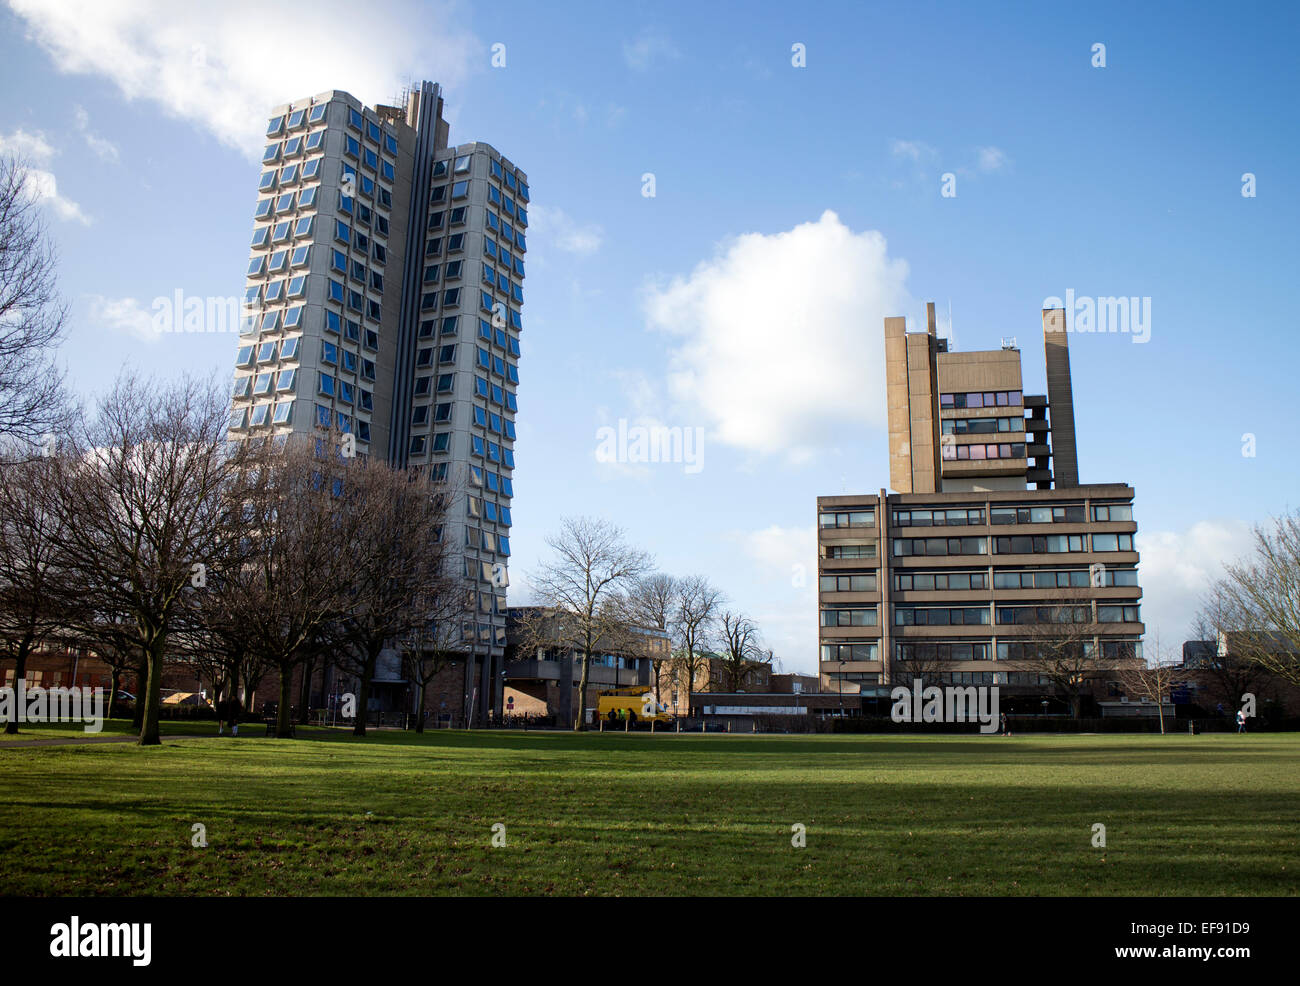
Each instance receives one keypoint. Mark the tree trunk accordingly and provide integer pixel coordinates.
(114, 685)
(363, 693)
(419, 708)
(580, 723)
(283, 719)
(149, 734)
(141, 680)
(304, 693)
(20, 672)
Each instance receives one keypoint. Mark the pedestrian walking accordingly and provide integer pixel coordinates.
(1241, 720)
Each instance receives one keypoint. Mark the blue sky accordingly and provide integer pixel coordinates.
(794, 208)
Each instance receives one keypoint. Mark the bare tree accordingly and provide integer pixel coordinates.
(397, 555)
(1154, 678)
(33, 402)
(1224, 675)
(651, 605)
(32, 570)
(695, 618)
(294, 579)
(1056, 644)
(923, 663)
(1259, 599)
(582, 585)
(446, 605)
(141, 504)
(742, 651)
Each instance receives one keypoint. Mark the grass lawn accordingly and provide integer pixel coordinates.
(670, 815)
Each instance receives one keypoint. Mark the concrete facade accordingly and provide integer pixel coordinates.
(383, 301)
(958, 572)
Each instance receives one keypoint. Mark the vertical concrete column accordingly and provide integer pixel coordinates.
(1060, 399)
(900, 427)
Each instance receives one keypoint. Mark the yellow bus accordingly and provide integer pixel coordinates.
(636, 704)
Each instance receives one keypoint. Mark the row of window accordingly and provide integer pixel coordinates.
(1014, 545)
(279, 261)
(260, 414)
(446, 384)
(440, 442)
(1081, 578)
(936, 616)
(937, 518)
(352, 331)
(981, 426)
(850, 652)
(297, 118)
(355, 301)
(512, 182)
(487, 541)
(848, 582)
(1077, 578)
(854, 551)
(344, 391)
(847, 518)
(285, 202)
(290, 174)
(847, 616)
(962, 453)
(373, 131)
(998, 398)
(283, 231)
(932, 581)
(263, 383)
(941, 650)
(1007, 650)
(999, 516)
(483, 418)
(1067, 614)
(268, 352)
(345, 234)
(479, 508)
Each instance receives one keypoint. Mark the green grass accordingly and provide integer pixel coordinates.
(669, 815)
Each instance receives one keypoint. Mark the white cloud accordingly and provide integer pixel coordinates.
(123, 315)
(34, 149)
(46, 189)
(549, 223)
(991, 158)
(1177, 567)
(912, 150)
(102, 147)
(778, 340)
(649, 48)
(224, 66)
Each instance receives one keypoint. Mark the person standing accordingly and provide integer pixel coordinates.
(1006, 731)
(1241, 720)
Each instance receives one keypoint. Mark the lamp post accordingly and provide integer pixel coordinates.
(840, 681)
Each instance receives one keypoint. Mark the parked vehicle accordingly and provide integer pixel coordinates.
(637, 704)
